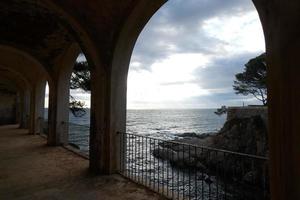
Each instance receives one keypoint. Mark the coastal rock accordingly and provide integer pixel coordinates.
(250, 177)
(246, 135)
(192, 134)
(165, 154)
(243, 135)
(179, 158)
(195, 135)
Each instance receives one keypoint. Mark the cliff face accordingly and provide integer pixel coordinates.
(246, 174)
(244, 135)
(247, 112)
(243, 132)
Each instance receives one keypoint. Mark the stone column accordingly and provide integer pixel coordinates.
(39, 105)
(108, 116)
(59, 92)
(281, 22)
(58, 112)
(32, 111)
(37, 96)
(18, 109)
(101, 139)
(24, 109)
(53, 136)
(63, 98)
(109, 93)
(58, 116)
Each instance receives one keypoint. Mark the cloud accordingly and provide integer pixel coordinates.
(220, 73)
(189, 52)
(183, 27)
(78, 94)
(166, 81)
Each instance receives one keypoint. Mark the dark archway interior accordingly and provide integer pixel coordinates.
(8, 102)
(31, 27)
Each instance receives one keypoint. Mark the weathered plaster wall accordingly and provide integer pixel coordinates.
(7, 108)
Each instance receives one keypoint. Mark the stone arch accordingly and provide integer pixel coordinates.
(14, 58)
(102, 154)
(9, 91)
(85, 42)
(74, 28)
(129, 33)
(35, 73)
(122, 54)
(59, 92)
(16, 77)
(104, 78)
(279, 21)
(23, 88)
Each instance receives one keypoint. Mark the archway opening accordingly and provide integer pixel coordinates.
(189, 61)
(9, 103)
(79, 117)
(44, 120)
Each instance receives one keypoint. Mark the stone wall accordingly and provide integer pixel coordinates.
(7, 108)
(247, 111)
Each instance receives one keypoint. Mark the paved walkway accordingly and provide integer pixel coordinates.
(31, 170)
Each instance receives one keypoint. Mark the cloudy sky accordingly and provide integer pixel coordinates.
(188, 54)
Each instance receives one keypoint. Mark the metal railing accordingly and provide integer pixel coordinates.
(184, 171)
(78, 135)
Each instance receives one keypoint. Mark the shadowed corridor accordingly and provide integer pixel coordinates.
(31, 170)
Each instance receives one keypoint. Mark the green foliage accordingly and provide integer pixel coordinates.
(76, 107)
(253, 80)
(221, 111)
(80, 79)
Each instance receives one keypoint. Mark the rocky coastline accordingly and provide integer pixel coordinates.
(211, 152)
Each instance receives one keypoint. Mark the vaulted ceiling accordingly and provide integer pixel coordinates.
(34, 27)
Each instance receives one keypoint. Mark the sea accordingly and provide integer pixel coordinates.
(163, 124)
(140, 161)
